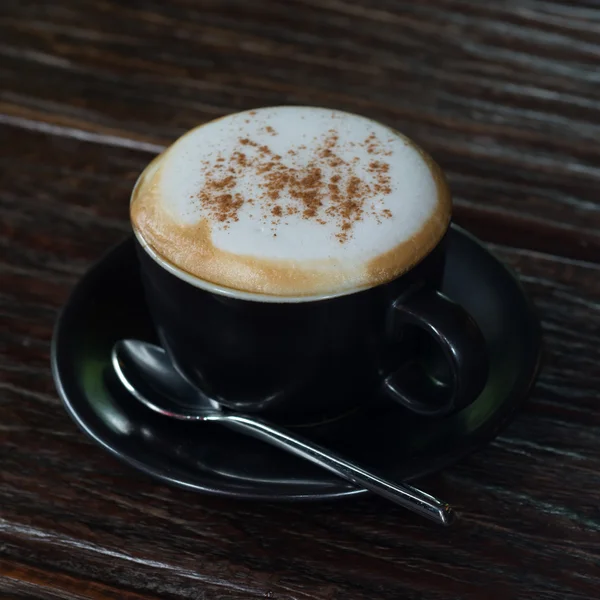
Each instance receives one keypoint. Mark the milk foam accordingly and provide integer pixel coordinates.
(292, 201)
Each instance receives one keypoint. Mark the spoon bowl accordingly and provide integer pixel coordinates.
(147, 373)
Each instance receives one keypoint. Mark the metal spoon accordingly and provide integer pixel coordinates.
(147, 373)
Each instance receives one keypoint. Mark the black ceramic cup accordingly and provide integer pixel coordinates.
(306, 361)
(309, 210)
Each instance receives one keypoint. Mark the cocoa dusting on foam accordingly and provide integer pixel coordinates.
(342, 198)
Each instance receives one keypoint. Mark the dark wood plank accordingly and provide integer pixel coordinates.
(505, 95)
(74, 523)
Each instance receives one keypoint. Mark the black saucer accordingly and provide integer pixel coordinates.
(108, 305)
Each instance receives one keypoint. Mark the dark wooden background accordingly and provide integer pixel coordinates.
(506, 95)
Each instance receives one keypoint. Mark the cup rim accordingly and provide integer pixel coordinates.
(241, 294)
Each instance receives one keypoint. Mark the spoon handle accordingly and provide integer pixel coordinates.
(400, 493)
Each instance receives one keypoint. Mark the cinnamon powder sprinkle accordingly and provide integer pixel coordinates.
(343, 197)
(374, 146)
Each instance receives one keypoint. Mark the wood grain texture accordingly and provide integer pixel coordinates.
(505, 95)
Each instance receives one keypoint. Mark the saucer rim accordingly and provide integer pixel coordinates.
(526, 381)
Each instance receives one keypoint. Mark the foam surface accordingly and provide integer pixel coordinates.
(292, 201)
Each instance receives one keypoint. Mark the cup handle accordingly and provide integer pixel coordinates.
(462, 345)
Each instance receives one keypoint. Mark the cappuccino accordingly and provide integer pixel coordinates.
(291, 202)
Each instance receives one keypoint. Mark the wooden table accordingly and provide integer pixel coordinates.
(505, 95)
